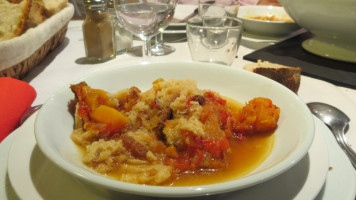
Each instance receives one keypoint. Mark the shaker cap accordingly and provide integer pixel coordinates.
(110, 4)
(96, 4)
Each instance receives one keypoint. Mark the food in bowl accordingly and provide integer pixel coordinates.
(267, 20)
(172, 134)
(271, 17)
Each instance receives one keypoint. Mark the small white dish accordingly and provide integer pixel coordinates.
(264, 27)
(54, 123)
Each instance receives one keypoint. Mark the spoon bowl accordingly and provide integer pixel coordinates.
(337, 121)
(330, 115)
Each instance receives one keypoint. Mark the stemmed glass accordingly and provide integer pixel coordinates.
(145, 18)
(159, 48)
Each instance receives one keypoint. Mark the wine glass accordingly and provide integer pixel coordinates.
(145, 18)
(159, 48)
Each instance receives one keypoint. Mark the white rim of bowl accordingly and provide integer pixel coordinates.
(183, 191)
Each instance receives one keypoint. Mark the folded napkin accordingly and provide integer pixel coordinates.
(16, 97)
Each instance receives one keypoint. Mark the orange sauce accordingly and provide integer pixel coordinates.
(247, 154)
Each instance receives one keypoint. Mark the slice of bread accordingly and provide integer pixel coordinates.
(14, 1)
(16, 16)
(53, 6)
(285, 75)
(13, 18)
(37, 14)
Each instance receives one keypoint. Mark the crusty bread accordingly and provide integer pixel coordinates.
(42, 9)
(13, 18)
(37, 14)
(14, 1)
(53, 6)
(16, 16)
(285, 75)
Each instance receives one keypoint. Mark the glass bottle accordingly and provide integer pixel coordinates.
(123, 38)
(98, 31)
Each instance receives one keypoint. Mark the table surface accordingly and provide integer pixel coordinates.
(64, 65)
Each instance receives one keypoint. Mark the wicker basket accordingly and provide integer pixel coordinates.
(21, 69)
(20, 55)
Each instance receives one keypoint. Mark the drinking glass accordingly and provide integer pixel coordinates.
(222, 8)
(214, 39)
(145, 18)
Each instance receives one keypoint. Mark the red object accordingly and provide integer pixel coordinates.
(16, 97)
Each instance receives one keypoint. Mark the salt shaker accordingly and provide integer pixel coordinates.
(122, 37)
(98, 31)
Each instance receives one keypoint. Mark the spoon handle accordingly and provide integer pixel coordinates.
(340, 137)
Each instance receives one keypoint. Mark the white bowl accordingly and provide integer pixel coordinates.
(333, 24)
(293, 137)
(263, 27)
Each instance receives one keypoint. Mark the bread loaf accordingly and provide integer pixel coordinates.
(16, 16)
(42, 9)
(37, 14)
(14, 1)
(13, 18)
(53, 6)
(285, 75)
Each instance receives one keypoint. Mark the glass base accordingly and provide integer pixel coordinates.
(94, 60)
(161, 50)
(135, 51)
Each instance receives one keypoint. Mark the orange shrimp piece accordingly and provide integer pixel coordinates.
(261, 113)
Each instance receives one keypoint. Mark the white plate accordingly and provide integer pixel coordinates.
(262, 27)
(291, 144)
(35, 177)
(181, 11)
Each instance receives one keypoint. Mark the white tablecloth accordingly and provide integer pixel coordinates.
(63, 66)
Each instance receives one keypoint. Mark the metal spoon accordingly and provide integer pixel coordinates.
(28, 113)
(336, 121)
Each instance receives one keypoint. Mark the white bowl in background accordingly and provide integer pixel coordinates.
(263, 27)
(333, 24)
(293, 137)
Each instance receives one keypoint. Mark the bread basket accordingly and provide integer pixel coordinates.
(20, 55)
